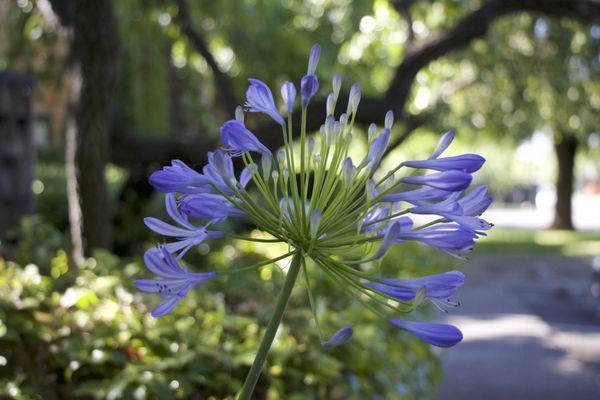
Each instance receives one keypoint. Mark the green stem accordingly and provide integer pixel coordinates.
(271, 330)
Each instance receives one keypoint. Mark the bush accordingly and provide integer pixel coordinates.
(85, 332)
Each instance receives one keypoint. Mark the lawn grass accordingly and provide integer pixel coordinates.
(521, 241)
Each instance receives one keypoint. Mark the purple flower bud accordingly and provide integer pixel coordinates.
(308, 88)
(377, 149)
(443, 144)
(313, 59)
(288, 94)
(339, 338)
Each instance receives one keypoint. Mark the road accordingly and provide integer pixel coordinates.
(531, 331)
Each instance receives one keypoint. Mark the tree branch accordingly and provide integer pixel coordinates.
(226, 95)
(473, 26)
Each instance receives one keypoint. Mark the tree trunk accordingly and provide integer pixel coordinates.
(96, 47)
(566, 150)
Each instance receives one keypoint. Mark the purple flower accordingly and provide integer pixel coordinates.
(443, 144)
(448, 180)
(219, 172)
(339, 338)
(451, 210)
(209, 206)
(178, 281)
(465, 162)
(450, 238)
(375, 219)
(260, 99)
(187, 235)
(440, 335)
(309, 85)
(288, 94)
(438, 286)
(476, 202)
(237, 139)
(177, 178)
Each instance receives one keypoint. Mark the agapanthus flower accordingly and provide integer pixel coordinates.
(260, 99)
(176, 282)
(338, 216)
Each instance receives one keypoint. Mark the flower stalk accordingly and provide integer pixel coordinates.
(267, 340)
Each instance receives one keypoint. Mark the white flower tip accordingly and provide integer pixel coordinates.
(330, 103)
(389, 119)
(337, 85)
(239, 114)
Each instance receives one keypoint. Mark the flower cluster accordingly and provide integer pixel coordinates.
(342, 215)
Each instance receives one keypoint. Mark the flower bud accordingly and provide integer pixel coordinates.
(275, 176)
(371, 132)
(354, 99)
(252, 168)
(266, 162)
(239, 114)
(315, 221)
(330, 103)
(389, 119)
(349, 139)
(344, 120)
(288, 94)
(317, 158)
(348, 171)
(286, 174)
(313, 59)
(309, 85)
(337, 85)
(281, 156)
(310, 145)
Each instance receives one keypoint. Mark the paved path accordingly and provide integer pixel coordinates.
(531, 331)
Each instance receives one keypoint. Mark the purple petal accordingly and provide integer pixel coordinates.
(440, 335)
(156, 264)
(465, 162)
(166, 307)
(447, 180)
(339, 338)
(163, 228)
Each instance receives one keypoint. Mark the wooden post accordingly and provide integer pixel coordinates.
(17, 148)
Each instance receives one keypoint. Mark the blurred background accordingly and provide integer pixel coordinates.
(94, 96)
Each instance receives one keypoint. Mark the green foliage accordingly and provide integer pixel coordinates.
(84, 332)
